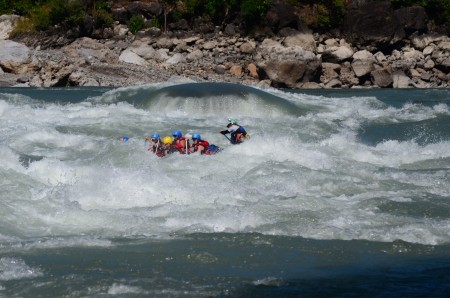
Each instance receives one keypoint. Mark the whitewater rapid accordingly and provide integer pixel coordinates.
(320, 167)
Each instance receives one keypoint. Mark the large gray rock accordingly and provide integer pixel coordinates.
(128, 56)
(87, 50)
(420, 42)
(362, 67)
(400, 79)
(287, 66)
(330, 71)
(7, 24)
(195, 55)
(382, 77)
(144, 50)
(176, 58)
(363, 63)
(304, 38)
(337, 54)
(285, 72)
(13, 55)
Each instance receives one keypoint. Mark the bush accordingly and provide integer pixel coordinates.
(254, 8)
(136, 24)
(102, 18)
(4, 7)
(24, 25)
(41, 18)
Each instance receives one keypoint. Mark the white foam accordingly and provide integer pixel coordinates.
(15, 268)
(121, 289)
(304, 176)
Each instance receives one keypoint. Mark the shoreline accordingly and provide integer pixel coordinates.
(297, 59)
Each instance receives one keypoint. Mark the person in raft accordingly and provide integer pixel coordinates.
(238, 133)
(155, 144)
(180, 143)
(167, 145)
(202, 146)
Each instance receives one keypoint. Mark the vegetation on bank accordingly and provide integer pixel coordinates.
(87, 15)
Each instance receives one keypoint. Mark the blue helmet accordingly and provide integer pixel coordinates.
(196, 136)
(177, 133)
(155, 135)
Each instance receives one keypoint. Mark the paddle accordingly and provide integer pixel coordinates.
(228, 138)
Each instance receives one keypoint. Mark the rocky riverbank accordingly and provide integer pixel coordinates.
(292, 58)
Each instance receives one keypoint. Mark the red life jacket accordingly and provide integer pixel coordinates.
(178, 145)
(203, 143)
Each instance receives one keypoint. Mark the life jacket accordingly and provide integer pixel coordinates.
(203, 143)
(160, 152)
(181, 148)
(236, 136)
(157, 149)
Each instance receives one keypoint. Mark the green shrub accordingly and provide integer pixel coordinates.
(41, 18)
(136, 24)
(24, 25)
(22, 7)
(4, 7)
(154, 22)
(254, 10)
(103, 5)
(102, 18)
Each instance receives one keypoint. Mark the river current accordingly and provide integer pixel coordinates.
(337, 193)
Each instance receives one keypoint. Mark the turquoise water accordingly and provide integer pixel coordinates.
(338, 193)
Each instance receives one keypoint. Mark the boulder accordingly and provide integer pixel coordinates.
(128, 56)
(362, 67)
(420, 42)
(161, 55)
(209, 45)
(363, 55)
(334, 83)
(330, 71)
(400, 79)
(220, 69)
(347, 76)
(247, 47)
(236, 70)
(89, 50)
(195, 55)
(337, 54)
(176, 58)
(382, 77)
(304, 38)
(428, 50)
(144, 50)
(287, 66)
(79, 78)
(13, 55)
(253, 71)
(380, 57)
(285, 72)
(7, 24)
